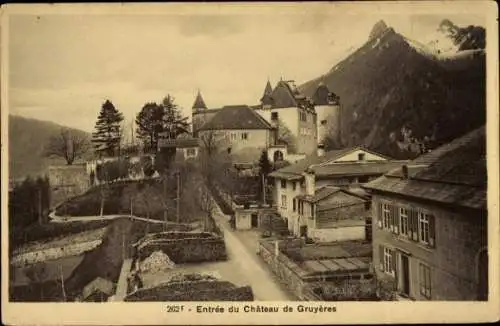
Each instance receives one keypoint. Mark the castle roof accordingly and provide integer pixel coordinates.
(236, 117)
(199, 103)
(267, 98)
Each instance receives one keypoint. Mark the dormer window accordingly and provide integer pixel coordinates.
(361, 156)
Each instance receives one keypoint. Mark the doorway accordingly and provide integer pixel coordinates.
(255, 220)
(405, 275)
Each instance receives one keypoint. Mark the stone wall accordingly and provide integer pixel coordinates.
(189, 250)
(337, 233)
(194, 291)
(287, 272)
(33, 257)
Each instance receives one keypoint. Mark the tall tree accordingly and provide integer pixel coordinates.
(107, 135)
(149, 123)
(69, 144)
(173, 125)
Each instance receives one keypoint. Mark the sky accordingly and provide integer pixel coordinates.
(62, 67)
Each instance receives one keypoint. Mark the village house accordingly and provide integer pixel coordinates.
(430, 223)
(186, 147)
(241, 132)
(295, 186)
(334, 214)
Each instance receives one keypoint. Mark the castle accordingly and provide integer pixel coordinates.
(302, 123)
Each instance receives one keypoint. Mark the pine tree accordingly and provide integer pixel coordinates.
(107, 135)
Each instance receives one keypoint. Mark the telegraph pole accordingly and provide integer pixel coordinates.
(165, 199)
(39, 205)
(178, 197)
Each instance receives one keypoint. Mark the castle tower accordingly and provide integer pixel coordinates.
(327, 105)
(198, 114)
(267, 99)
(199, 103)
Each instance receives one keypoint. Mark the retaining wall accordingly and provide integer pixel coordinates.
(37, 256)
(188, 250)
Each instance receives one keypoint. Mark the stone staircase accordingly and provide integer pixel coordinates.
(278, 225)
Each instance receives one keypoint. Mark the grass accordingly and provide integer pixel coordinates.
(146, 198)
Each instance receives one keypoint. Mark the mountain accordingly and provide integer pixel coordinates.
(27, 139)
(395, 94)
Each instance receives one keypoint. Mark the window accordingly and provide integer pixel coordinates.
(323, 122)
(312, 210)
(233, 136)
(388, 260)
(403, 216)
(303, 116)
(301, 207)
(294, 185)
(283, 184)
(191, 152)
(229, 150)
(386, 213)
(283, 201)
(361, 156)
(423, 220)
(274, 116)
(294, 203)
(425, 281)
(244, 136)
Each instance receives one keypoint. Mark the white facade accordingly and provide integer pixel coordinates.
(328, 121)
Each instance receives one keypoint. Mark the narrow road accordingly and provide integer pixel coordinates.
(264, 286)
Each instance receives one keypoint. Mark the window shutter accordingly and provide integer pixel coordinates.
(379, 216)
(381, 257)
(432, 232)
(414, 224)
(394, 263)
(396, 219)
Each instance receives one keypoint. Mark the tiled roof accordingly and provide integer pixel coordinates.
(451, 174)
(283, 96)
(319, 194)
(314, 162)
(236, 117)
(320, 97)
(179, 143)
(207, 111)
(199, 103)
(352, 169)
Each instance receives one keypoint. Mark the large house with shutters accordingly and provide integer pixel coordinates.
(300, 194)
(430, 223)
(239, 131)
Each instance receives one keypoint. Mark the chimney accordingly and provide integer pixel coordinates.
(310, 182)
(321, 150)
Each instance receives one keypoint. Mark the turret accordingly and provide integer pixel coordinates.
(267, 99)
(199, 103)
